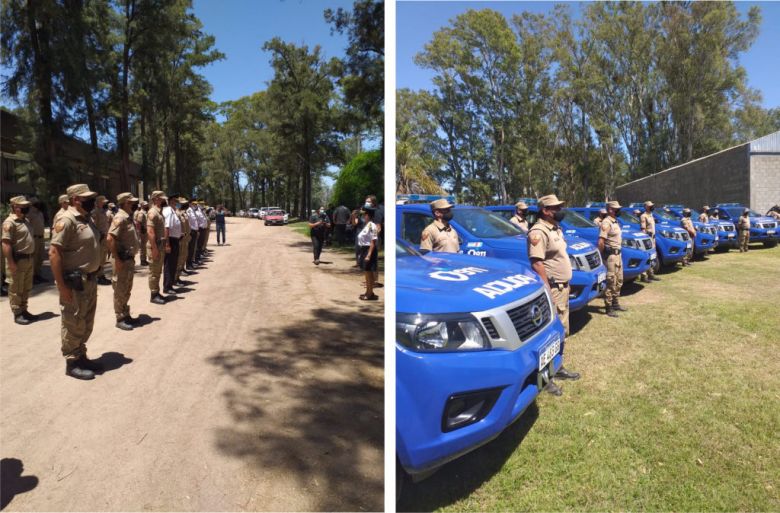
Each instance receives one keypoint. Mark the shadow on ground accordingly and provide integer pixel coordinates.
(112, 361)
(308, 402)
(462, 477)
(12, 482)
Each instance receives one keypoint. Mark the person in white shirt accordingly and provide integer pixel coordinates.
(202, 224)
(367, 242)
(194, 233)
(173, 233)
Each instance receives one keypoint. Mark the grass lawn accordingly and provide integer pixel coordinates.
(678, 408)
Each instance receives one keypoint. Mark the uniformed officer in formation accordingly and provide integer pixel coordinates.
(155, 229)
(647, 223)
(439, 235)
(704, 216)
(610, 245)
(550, 260)
(184, 243)
(743, 229)
(100, 219)
(75, 257)
(687, 225)
(520, 218)
(714, 216)
(602, 215)
(19, 251)
(63, 202)
(139, 218)
(123, 242)
(774, 212)
(39, 229)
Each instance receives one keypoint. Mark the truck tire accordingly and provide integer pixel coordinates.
(770, 244)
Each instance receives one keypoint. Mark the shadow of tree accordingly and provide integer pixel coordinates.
(12, 482)
(308, 402)
(460, 478)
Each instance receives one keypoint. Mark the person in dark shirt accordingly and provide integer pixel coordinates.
(319, 224)
(340, 219)
(220, 222)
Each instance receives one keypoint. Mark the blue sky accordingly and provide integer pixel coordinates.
(417, 21)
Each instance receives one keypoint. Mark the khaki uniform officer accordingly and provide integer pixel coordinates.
(39, 227)
(184, 243)
(610, 245)
(155, 230)
(75, 259)
(100, 218)
(602, 215)
(743, 228)
(139, 218)
(439, 235)
(19, 251)
(64, 202)
(123, 243)
(687, 225)
(703, 217)
(647, 222)
(519, 219)
(550, 260)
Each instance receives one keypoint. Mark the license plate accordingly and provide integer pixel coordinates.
(689, 245)
(602, 277)
(731, 235)
(548, 353)
(770, 232)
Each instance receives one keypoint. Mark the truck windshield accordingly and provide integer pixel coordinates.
(402, 250)
(576, 220)
(483, 224)
(628, 218)
(669, 216)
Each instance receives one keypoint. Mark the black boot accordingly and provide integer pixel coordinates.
(132, 321)
(102, 280)
(157, 299)
(565, 374)
(91, 365)
(144, 262)
(30, 317)
(553, 389)
(616, 306)
(74, 370)
(124, 325)
(645, 279)
(21, 319)
(611, 312)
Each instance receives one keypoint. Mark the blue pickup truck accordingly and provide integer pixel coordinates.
(671, 241)
(762, 228)
(485, 234)
(726, 232)
(638, 254)
(476, 341)
(706, 233)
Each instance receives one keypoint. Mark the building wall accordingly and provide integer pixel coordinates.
(722, 177)
(765, 181)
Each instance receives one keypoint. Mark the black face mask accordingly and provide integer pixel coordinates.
(617, 213)
(88, 205)
(688, 214)
(522, 213)
(25, 210)
(133, 207)
(559, 215)
(447, 216)
(105, 207)
(652, 208)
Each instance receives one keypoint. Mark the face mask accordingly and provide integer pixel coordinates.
(88, 205)
(447, 216)
(652, 208)
(559, 215)
(133, 207)
(25, 210)
(105, 207)
(184, 205)
(367, 205)
(522, 213)
(617, 213)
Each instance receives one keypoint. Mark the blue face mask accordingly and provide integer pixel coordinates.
(368, 205)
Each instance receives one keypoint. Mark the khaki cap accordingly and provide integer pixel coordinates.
(440, 204)
(126, 196)
(686, 210)
(111, 205)
(649, 203)
(63, 198)
(706, 207)
(101, 198)
(551, 200)
(613, 204)
(143, 203)
(81, 190)
(157, 194)
(521, 205)
(20, 201)
(603, 211)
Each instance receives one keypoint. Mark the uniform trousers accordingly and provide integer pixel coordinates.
(19, 284)
(78, 319)
(171, 261)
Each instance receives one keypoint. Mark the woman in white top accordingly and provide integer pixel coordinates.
(367, 256)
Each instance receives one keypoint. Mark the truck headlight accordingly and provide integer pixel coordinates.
(575, 262)
(440, 332)
(665, 233)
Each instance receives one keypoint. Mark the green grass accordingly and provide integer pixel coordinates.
(678, 408)
(302, 228)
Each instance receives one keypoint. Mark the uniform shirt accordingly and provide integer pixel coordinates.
(58, 215)
(19, 232)
(185, 222)
(648, 223)
(703, 218)
(100, 219)
(546, 243)
(598, 221)
(79, 241)
(109, 216)
(438, 237)
(610, 231)
(743, 224)
(123, 230)
(520, 223)
(172, 222)
(193, 218)
(154, 219)
(367, 234)
(202, 221)
(688, 224)
(140, 220)
(35, 217)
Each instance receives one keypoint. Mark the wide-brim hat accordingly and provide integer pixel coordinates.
(440, 204)
(520, 205)
(649, 203)
(20, 201)
(551, 200)
(613, 204)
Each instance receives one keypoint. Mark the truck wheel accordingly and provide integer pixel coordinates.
(771, 244)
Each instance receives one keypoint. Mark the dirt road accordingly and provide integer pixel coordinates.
(260, 389)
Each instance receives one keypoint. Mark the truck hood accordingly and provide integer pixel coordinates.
(449, 283)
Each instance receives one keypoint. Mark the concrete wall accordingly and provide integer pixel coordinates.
(764, 181)
(722, 177)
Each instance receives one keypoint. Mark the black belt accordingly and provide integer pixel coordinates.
(556, 284)
(611, 251)
(38, 236)
(22, 256)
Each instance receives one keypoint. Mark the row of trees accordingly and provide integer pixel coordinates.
(123, 71)
(275, 146)
(543, 103)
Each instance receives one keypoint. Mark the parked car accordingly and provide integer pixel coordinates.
(254, 212)
(274, 217)
(487, 234)
(476, 340)
(706, 233)
(762, 228)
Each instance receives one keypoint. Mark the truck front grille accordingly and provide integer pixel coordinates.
(531, 317)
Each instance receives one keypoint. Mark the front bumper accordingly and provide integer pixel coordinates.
(585, 286)
(635, 262)
(425, 382)
(763, 235)
(670, 251)
(704, 243)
